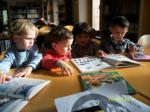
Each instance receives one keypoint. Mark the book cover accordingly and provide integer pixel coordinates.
(97, 79)
(16, 93)
(105, 99)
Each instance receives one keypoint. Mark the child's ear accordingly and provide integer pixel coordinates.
(54, 45)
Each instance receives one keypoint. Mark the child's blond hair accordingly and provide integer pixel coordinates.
(22, 26)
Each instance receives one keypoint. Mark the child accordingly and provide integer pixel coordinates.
(23, 54)
(116, 43)
(59, 41)
(83, 45)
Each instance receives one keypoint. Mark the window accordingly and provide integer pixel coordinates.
(5, 17)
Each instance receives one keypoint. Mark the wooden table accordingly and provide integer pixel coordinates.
(138, 77)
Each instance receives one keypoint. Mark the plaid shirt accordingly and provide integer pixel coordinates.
(89, 50)
(108, 45)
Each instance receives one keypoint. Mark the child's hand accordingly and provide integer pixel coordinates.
(132, 52)
(101, 53)
(4, 77)
(64, 67)
(23, 72)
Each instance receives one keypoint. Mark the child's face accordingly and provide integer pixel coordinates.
(25, 42)
(118, 33)
(63, 47)
(82, 39)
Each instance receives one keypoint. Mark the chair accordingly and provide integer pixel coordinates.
(97, 41)
(144, 40)
(44, 30)
(69, 27)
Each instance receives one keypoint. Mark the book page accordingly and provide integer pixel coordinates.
(88, 64)
(11, 105)
(21, 87)
(107, 99)
(119, 60)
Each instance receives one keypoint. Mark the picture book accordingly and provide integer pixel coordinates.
(16, 93)
(142, 57)
(88, 64)
(105, 99)
(98, 79)
(118, 61)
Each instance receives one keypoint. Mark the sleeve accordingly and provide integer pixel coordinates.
(48, 61)
(35, 58)
(140, 48)
(137, 46)
(130, 44)
(7, 61)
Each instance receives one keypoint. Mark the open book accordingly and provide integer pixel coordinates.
(105, 99)
(88, 64)
(93, 80)
(16, 93)
(118, 61)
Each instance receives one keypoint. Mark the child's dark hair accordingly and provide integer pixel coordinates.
(58, 34)
(82, 28)
(120, 21)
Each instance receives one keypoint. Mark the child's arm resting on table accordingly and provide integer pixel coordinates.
(64, 67)
(101, 53)
(133, 50)
(32, 63)
(4, 77)
(23, 72)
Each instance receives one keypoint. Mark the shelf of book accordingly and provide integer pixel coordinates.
(26, 11)
(130, 10)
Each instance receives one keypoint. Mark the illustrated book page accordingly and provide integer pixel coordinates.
(105, 99)
(19, 90)
(88, 64)
(118, 61)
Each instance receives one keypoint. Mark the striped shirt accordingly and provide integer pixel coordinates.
(89, 50)
(108, 45)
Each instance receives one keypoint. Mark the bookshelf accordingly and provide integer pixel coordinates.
(26, 11)
(127, 8)
(65, 12)
(33, 12)
(18, 12)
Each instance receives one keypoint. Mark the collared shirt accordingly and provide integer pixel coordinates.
(89, 50)
(108, 45)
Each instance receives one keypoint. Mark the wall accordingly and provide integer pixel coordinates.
(144, 25)
(75, 11)
(82, 11)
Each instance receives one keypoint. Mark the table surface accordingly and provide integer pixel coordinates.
(138, 77)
